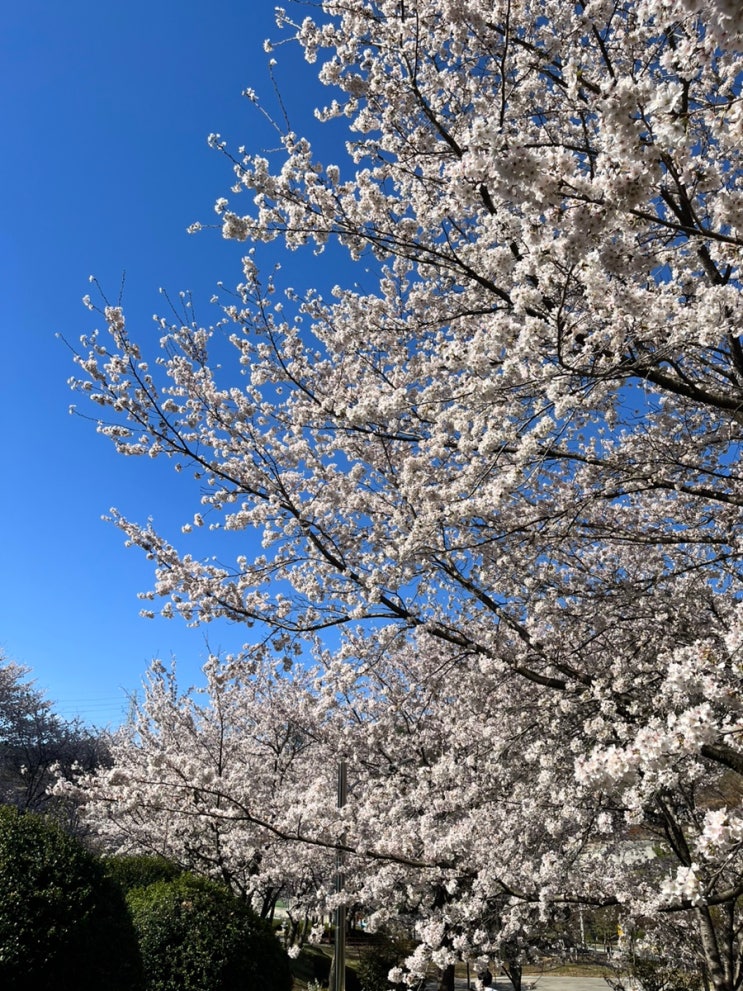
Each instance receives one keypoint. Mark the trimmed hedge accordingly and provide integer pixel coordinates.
(376, 961)
(195, 935)
(64, 925)
(138, 870)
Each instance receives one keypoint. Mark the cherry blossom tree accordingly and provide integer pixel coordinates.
(231, 779)
(465, 822)
(514, 457)
(200, 777)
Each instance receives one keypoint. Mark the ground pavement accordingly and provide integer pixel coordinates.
(545, 983)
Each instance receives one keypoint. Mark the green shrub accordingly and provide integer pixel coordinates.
(312, 966)
(139, 870)
(376, 961)
(63, 924)
(194, 935)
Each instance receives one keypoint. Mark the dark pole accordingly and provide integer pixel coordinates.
(339, 982)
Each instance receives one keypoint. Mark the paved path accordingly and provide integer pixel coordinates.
(546, 983)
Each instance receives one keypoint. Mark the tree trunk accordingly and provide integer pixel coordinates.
(446, 980)
(722, 964)
(513, 972)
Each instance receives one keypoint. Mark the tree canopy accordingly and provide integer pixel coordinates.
(38, 747)
(498, 488)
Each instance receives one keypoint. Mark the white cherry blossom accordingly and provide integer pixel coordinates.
(504, 473)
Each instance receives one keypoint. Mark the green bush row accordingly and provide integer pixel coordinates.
(69, 920)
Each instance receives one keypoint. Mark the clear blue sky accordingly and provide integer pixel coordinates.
(106, 107)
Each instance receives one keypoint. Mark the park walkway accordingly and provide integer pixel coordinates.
(546, 983)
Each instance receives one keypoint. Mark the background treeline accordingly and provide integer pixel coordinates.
(38, 746)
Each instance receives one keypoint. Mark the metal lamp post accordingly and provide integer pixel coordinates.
(339, 981)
